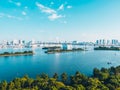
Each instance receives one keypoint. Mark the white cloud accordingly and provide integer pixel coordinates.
(64, 22)
(69, 7)
(16, 3)
(10, 16)
(52, 3)
(45, 9)
(52, 14)
(24, 13)
(13, 17)
(26, 7)
(61, 7)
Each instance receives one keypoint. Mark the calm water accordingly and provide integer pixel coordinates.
(84, 61)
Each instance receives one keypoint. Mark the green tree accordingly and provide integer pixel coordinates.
(64, 77)
(11, 86)
(79, 87)
(55, 76)
(96, 72)
(17, 83)
(68, 88)
(44, 76)
(3, 85)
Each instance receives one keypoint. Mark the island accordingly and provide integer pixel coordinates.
(17, 53)
(107, 48)
(49, 51)
(53, 47)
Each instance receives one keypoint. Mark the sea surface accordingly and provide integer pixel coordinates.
(83, 61)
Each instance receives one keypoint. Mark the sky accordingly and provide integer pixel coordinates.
(61, 20)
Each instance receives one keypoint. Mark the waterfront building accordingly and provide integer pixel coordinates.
(15, 42)
(66, 46)
(107, 42)
(4, 42)
(104, 42)
(20, 42)
(97, 42)
(114, 42)
(101, 42)
(74, 42)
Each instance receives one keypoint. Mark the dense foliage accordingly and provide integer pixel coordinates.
(104, 79)
(107, 48)
(15, 53)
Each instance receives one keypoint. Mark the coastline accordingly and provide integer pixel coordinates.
(107, 48)
(17, 55)
(6, 54)
(63, 51)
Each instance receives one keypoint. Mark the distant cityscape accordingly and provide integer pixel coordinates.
(104, 42)
(35, 44)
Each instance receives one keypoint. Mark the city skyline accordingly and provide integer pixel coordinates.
(98, 41)
(64, 20)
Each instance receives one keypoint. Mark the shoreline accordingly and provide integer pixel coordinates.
(63, 51)
(16, 55)
(108, 48)
(25, 53)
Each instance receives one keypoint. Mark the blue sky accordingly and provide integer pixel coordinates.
(50, 20)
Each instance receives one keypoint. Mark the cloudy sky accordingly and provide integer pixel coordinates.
(50, 20)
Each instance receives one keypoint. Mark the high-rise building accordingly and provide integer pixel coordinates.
(107, 42)
(101, 42)
(15, 42)
(115, 42)
(97, 42)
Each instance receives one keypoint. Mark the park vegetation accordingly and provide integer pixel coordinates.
(62, 50)
(102, 79)
(107, 48)
(16, 53)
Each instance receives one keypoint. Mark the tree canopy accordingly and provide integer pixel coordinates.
(104, 79)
